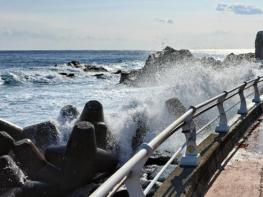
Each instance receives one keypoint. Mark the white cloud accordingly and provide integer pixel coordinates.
(239, 9)
(164, 21)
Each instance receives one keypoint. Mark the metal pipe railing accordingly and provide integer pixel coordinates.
(129, 173)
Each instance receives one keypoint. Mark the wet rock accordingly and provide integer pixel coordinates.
(233, 59)
(33, 163)
(70, 75)
(125, 77)
(13, 130)
(6, 143)
(91, 68)
(100, 76)
(80, 155)
(159, 158)
(40, 189)
(92, 112)
(259, 45)
(117, 72)
(11, 175)
(42, 134)
(74, 63)
(101, 134)
(55, 155)
(175, 107)
(68, 113)
(84, 191)
(210, 61)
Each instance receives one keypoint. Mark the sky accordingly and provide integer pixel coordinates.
(129, 24)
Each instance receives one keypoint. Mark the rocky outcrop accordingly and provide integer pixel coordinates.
(233, 59)
(259, 46)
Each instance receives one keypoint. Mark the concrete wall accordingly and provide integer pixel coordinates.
(213, 150)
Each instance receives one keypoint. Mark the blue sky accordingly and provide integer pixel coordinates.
(129, 24)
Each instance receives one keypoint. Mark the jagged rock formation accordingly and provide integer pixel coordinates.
(259, 45)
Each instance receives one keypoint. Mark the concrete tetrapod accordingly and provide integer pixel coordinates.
(92, 112)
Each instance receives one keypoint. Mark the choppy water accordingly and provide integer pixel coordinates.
(32, 90)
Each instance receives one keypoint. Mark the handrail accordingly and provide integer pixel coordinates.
(129, 173)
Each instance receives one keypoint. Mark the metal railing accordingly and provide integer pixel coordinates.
(129, 173)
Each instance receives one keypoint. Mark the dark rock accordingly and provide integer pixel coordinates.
(84, 191)
(13, 192)
(91, 68)
(42, 134)
(233, 59)
(13, 130)
(69, 113)
(74, 63)
(92, 112)
(124, 77)
(55, 155)
(101, 134)
(122, 192)
(33, 163)
(117, 72)
(6, 143)
(11, 175)
(259, 45)
(100, 76)
(80, 156)
(70, 75)
(175, 107)
(210, 61)
(40, 189)
(105, 161)
(159, 158)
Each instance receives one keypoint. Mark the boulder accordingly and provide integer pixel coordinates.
(92, 112)
(42, 134)
(11, 175)
(100, 76)
(79, 165)
(13, 130)
(6, 143)
(259, 46)
(68, 113)
(70, 75)
(175, 107)
(91, 68)
(233, 59)
(33, 163)
(74, 63)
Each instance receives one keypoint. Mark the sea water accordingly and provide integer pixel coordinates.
(33, 91)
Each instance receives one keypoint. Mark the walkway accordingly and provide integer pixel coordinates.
(242, 171)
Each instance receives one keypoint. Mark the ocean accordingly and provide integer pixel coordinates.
(33, 91)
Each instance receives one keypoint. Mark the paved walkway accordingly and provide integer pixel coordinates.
(242, 172)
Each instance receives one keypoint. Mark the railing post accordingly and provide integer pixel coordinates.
(243, 104)
(256, 98)
(133, 181)
(191, 156)
(222, 126)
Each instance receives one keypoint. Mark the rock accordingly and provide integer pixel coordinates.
(41, 189)
(55, 155)
(91, 68)
(74, 63)
(101, 134)
(159, 158)
(33, 163)
(92, 112)
(175, 107)
(6, 143)
(158, 62)
(42, 134)
(117, 72)
(100, 76)
(84, 191)
(70, 75)
(68, 113)
(259, 45)
(80, 155)
(13, 130)
(154, 170)
(11, 175)
(13, 192)
(233, 59)
(210, 61)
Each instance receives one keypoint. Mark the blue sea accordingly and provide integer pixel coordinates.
(33, 91)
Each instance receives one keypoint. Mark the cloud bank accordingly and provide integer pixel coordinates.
(164, 21)
(239, 9)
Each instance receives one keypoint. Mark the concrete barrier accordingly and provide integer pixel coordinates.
(213, 150)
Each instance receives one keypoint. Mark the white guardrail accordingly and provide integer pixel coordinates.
(129, 173)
